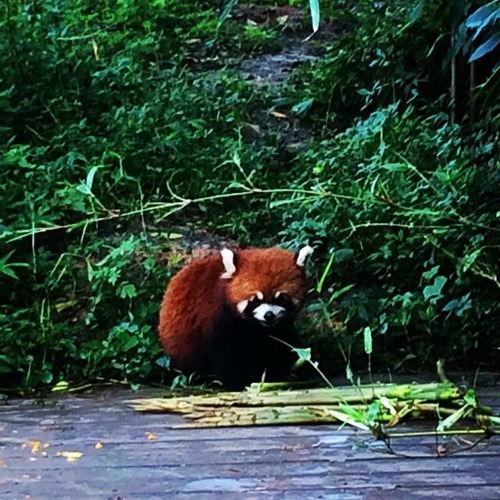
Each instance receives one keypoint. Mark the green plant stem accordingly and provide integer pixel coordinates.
(172, 206)
(437, 433)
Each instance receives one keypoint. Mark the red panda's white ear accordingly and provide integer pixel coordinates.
(228, 263)
(303, 254)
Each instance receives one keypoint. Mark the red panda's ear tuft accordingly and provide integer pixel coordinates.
(228, 261)
(303, 254)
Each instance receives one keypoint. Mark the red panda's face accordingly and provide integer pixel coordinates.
(268, 311)
(265, 284)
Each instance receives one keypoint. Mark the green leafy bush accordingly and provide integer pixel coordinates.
(406, 52)
(99, 119)
(123, 119)
(74, 329)
(413, 226)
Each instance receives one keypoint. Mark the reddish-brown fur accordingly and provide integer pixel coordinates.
(196, 296)
(189, 309)
(267, 270)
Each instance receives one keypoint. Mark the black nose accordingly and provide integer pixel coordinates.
(269, 316)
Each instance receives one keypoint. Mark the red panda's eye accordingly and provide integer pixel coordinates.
(285, 300)
(282, 297)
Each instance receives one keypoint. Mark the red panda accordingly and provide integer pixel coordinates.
(219, 314)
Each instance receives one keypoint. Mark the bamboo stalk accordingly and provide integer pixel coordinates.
(453, 81)
(283, 415)
(368, 407)
(252, 397)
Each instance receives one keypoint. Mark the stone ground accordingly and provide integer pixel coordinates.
(96, 447)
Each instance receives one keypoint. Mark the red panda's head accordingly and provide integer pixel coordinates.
(265, 284)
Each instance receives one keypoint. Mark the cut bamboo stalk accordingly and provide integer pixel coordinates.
(252, 397)
(367, 407)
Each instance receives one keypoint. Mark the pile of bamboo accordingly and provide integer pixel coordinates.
(367, 407)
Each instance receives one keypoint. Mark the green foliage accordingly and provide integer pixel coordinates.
(485, 18)
(125, 118)
(71, 332)
(483, 30)
(399, 51)
(418, 237)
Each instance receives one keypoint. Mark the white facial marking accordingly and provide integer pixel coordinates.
(241, 306)
(259, 313)
(303, 254)
(228, 263)
(260, 295)
(277, 294)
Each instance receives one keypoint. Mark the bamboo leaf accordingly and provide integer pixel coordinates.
(326, 271)
(90, 178)
(485, 15)
(485, 48)
(314, 7)
(367, 335)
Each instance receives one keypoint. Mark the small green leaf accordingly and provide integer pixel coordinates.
(90, 177)
(131, 343)
(349, 375)
(485, 48)
(128, 291)
(430, 273)
(6, 365)
(367, 336)
(303, 354)
(83, 188)
(303, 106)
(8, 272)
(433, 292)
(470, 397)
(374, 410)
(326, 271)
(458, 306)
(164, 362)
(226, 13)
(314, 6)
(60, 386)
(451, 306)
(469, 259)
(6, 267)
(340, 292)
